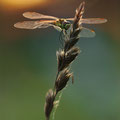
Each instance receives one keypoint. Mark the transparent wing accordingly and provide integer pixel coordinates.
(57, 28)
(90, 20)
(71, 19)
(93, 20)
(33, 24)
(86, 33)
(35, 15)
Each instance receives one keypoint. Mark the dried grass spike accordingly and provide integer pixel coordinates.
(60, 59)
(62, 80)
(70, 43)
(78, 15)
(49, 103)
(71, 55)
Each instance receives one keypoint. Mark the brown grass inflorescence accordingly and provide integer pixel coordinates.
(64, 58)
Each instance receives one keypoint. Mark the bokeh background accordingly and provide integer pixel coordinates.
(28, 63)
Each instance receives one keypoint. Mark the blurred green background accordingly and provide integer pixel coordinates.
(28, 63)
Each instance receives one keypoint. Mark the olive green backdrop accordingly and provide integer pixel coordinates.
(28, 65)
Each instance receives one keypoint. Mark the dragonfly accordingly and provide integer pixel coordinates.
(45, 21)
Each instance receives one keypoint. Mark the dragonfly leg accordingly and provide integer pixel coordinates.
(61, 38)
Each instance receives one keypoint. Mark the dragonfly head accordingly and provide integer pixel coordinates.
(66, 25)
(63, 24)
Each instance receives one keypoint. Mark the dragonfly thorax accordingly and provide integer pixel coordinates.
(63, 24)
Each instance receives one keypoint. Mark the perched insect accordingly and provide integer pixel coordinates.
(58, 23)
